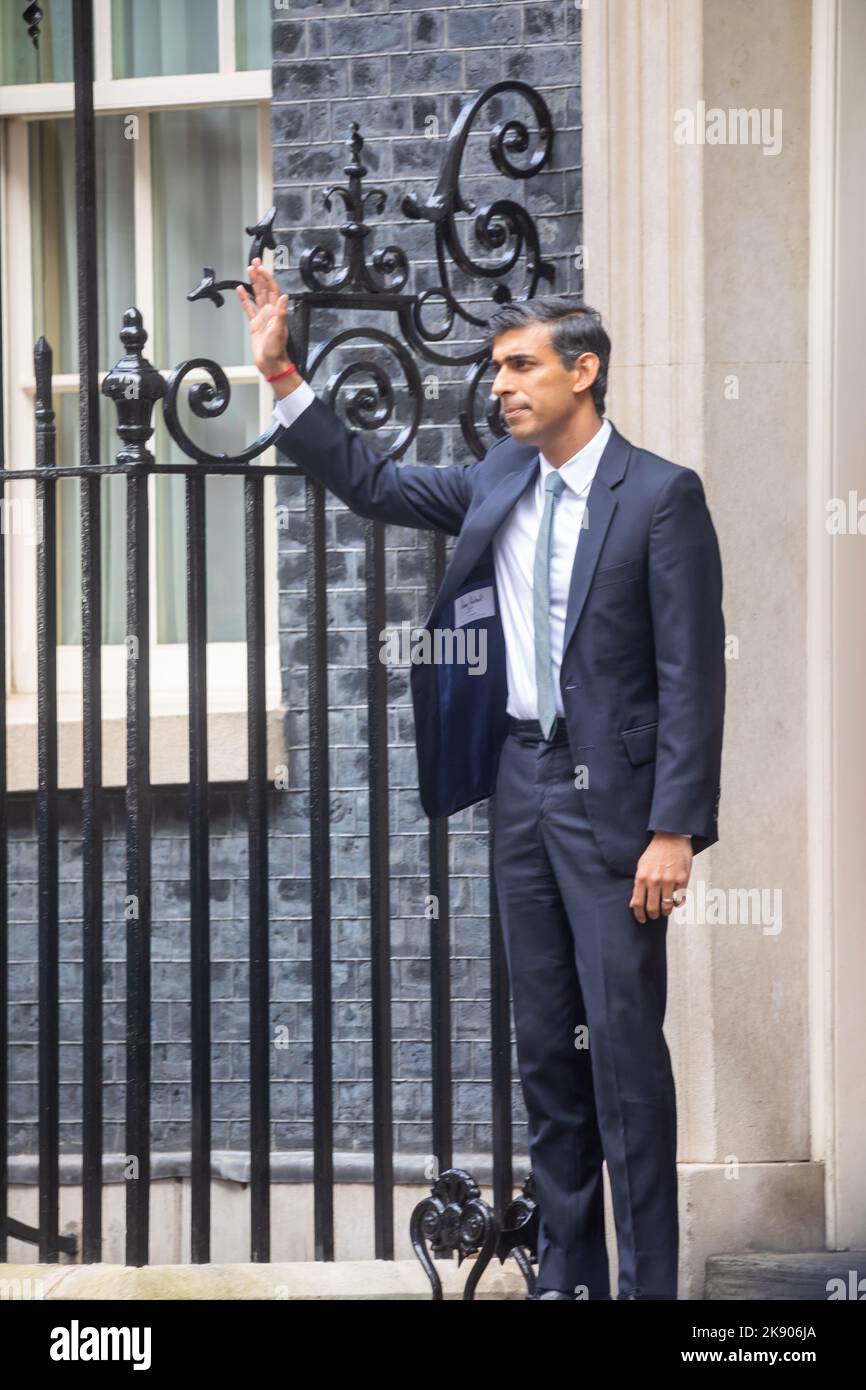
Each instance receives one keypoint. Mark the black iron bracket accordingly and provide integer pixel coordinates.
(377, 281)
(456, 1220)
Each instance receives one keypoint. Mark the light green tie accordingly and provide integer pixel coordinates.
(553, 486)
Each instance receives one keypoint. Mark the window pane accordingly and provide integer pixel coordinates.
(52, 60)
(204, 194)
(55, 315)
(113, 533)
(152, 38)
(52, 194)
(252, 34)
(224, 523)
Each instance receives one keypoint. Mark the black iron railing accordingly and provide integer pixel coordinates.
(454, 1219)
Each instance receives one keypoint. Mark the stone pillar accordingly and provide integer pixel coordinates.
(698, 255)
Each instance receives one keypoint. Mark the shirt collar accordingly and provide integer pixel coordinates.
(579, 471)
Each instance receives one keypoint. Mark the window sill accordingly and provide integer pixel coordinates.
(169, 742)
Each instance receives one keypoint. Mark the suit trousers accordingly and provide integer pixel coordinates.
(589, 986)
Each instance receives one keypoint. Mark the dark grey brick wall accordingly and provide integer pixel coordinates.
(391, 67)
(291, 1093)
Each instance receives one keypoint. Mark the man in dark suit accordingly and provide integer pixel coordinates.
(592, 568)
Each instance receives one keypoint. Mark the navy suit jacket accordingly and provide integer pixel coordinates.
(643, 668)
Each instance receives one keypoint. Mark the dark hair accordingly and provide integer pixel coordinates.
(576, 328)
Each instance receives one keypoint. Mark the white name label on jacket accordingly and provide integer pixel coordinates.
(477, 604)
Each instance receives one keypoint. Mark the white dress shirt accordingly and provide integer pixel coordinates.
(514, 562)
(291, 406)
(514, 559)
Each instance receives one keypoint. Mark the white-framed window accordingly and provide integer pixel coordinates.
(183, 163)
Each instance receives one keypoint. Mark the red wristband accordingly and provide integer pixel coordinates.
(287, 372)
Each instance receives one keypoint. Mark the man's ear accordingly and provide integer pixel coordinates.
(585, 370)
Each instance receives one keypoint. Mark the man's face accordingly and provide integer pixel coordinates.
(538, 395)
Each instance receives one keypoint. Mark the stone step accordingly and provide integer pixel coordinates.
(305, 1281)
(813, 1275)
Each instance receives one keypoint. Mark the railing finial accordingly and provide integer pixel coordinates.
(135, 386)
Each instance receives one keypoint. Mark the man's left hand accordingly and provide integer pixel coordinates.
(664, 867)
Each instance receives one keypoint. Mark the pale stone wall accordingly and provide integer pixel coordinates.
(698, 255)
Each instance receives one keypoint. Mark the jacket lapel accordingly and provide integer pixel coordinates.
(479, 530)
(600, 507)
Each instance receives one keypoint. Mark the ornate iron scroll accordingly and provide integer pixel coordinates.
(209, 399)
(376, 281)
(262, 233)
(33, 17)
(389, 271)
(497, 224)
(518, 1235)
(454, 1219)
